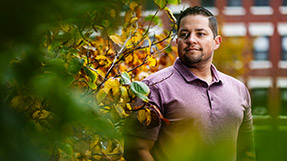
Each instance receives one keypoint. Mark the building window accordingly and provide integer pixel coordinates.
(284, 101)
(261, 48)
(231, 3)
(284, 48)
(259, 101)
(284, 3)
(207, 3)
(261, 2)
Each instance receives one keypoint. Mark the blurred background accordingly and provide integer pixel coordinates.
(254, 50)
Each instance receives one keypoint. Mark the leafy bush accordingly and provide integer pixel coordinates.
(69, 73)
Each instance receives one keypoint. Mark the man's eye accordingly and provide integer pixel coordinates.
(200, 34)
(184, 35)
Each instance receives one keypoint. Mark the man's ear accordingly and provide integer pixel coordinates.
(217, 41)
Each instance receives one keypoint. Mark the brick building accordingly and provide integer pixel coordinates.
(264, 22)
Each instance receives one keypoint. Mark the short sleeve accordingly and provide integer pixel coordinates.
(247, 123)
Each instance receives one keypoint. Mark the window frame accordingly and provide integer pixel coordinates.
(208, 5)
(283, 93)
(256, 54)
(263, 102)
(283, 51)
(229, 3)
(260, 3)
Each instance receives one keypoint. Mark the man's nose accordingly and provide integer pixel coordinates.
(191, 38)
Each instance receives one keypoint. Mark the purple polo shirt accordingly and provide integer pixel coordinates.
(205, 120)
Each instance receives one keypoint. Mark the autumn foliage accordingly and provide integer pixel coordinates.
(79, 94)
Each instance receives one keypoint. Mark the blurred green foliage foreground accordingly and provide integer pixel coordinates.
(23, 26)
(41, 118)
(47, 47)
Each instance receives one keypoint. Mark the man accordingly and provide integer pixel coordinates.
(209, 112)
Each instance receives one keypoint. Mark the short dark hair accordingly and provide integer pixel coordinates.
(197, 10)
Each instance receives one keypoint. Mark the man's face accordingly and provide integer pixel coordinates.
(196, 41)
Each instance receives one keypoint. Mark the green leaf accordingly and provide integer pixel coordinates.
(161, 3)
(125, 1)
(75, 65)
(125, 78)
(101, 95)
(67, 148)
(174, 2)
(55, 65)
(92, 84)
(140, 89)
(156, 20)
(91, 73)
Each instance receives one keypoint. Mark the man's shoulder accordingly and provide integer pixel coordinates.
(163, 75)
(227, 79)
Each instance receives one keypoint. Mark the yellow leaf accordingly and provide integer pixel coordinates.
(124, 94)
(116, 39)
(129, 58)
(128, 16)
(66, 28)
(134, 20)
(142, 115)
(101, 95)
(103, 60)
(128, 106)
(157, 37)
(94, 142)
(149, 45)
(161, 3)
(151, 61)
(77, 154)
(136, 59)
(148, 116)
(113, 13)
(88, 153)
(93, 75)
(170, 15)
(117, 149)
(114, 85)
(138, 11)
(120, 110)
(135, 39)
(107, 147)
(105, 109)
(17, 101)
(133, 5)
(40, 114)
(101, 73)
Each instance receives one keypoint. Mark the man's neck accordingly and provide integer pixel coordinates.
(203, 72)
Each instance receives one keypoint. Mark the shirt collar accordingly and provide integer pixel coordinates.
(216, 76)
(189, 76)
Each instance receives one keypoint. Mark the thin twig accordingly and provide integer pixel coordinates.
(96, 72)
(116, 58)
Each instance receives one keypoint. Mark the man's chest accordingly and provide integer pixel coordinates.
(214, 106)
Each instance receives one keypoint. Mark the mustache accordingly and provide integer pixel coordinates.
(193, 48)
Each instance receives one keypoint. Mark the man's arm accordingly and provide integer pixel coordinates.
(245, 140)
(245, 147)
(137, 148)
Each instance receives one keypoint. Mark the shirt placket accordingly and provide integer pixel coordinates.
(209, 96)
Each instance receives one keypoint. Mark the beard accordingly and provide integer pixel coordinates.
(190, 59)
